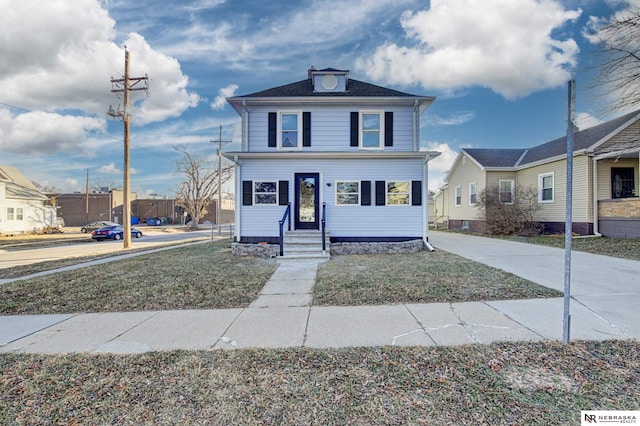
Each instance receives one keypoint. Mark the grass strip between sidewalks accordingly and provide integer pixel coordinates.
(542, 383)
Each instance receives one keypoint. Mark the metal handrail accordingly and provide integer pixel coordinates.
(324, 227)
(287, 214)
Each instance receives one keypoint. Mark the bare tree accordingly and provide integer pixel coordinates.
(516, 217)
(201, 184)
(618, 79)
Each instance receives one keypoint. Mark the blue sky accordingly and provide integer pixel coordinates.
(499, 70)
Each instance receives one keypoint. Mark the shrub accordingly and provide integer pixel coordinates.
(514, 218)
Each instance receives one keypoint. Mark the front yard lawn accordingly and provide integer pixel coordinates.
(421, 277)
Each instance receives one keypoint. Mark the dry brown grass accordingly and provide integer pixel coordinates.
(506, 383)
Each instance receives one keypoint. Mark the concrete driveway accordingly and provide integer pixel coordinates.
(608, 287)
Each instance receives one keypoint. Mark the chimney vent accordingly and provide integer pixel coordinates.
(310, 71)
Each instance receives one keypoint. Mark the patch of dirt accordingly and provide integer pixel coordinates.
(531, 379)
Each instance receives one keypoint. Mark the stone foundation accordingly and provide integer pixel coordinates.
(377, 247)
(265, 251)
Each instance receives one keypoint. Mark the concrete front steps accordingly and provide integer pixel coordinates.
(305, 245)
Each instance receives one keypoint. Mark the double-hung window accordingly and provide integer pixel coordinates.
(347, 193)
(289, 131)
(458, 196)
(473, 194)
(265, 193)
(506, 191)
(371, 129)
(398, 193)
(11, 213)
(545, 184)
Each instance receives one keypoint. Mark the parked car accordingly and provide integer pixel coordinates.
(96, 225)
(154, 221)
(113, 233)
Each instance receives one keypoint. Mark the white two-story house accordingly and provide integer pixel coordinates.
(334, 148)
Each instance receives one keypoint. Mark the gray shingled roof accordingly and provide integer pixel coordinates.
(583, 139)
(495, 157)
(304, 88)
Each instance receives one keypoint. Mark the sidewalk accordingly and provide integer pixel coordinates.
(282, 316)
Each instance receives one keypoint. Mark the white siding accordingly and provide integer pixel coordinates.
(330, 128)
(342, 221)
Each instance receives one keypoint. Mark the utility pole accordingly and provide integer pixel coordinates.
(218, 209)
(568, 227)
(125, 85)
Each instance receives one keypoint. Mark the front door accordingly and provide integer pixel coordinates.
(307, 200)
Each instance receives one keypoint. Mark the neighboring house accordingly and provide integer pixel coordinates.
(22, 207)
(605, 181)
(334, 147)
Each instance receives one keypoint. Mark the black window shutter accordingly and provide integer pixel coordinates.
(273, 129)
(247, 193)
(306, 129)
(416, 193)
(354, 128)
(283, 192)
(365, 193)
(381, 193)
(388, 128)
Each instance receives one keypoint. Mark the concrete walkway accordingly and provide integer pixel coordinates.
(282, 316)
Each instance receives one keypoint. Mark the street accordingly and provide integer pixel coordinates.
(151, 238)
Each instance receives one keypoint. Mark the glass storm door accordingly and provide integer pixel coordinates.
(307, 200)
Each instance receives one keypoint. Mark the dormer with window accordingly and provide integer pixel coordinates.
(329, 80)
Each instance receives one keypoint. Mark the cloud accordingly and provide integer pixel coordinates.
(44, 132)
(503, 45)
(451, 120)
(584, 120)
(110, 169)
(221, 100)
(439, 166)
(60, 57)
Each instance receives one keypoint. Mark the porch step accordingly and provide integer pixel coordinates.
(305, 245)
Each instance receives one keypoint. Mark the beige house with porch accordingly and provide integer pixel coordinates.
(605, 181)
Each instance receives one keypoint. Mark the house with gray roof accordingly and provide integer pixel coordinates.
(334, 154)
(605, 181)
(23, 209)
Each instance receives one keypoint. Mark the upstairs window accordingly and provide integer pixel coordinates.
(347, 193)
(505, 191)
(545, 183)
(289, 130)
(371, 130)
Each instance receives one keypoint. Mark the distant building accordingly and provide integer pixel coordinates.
(23, 208)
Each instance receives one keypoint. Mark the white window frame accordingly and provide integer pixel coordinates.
(541, 187)
(11, 213)
(19, 213)
(457, 199)
(299, 130)
(361, 130)
(387, 193)
(512, 184)
(473, 192)
(357, 193)
(256, 193)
